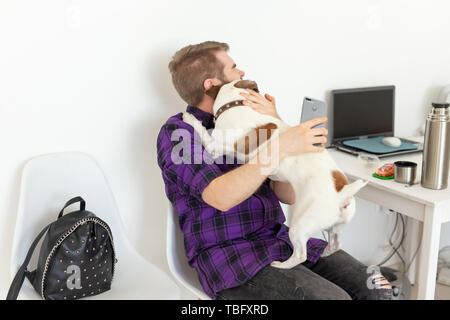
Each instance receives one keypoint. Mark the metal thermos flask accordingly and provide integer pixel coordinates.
(436, 148)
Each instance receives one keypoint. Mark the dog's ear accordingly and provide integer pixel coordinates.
(247, 84)
(213, 92)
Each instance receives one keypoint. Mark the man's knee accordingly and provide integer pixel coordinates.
(340, 294)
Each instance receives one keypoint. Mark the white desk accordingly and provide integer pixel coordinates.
(431, 207)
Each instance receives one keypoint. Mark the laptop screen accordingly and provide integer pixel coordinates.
(363, 112)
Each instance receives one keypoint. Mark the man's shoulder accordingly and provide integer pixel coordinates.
(173, 123)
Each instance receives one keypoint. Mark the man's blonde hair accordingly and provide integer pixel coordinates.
(192, 65)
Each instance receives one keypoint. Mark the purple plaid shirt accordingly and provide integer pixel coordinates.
(225, 248)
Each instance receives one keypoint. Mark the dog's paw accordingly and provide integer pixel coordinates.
(329, 250)
(362, 183)
(347, 202)
(288, 264)
(276, 264)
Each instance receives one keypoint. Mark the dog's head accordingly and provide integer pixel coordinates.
(229, 92)
(242, 84)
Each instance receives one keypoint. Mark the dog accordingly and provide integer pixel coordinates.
(323, 196)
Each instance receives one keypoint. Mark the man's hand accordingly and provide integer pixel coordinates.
(264, 105)
(301, 138)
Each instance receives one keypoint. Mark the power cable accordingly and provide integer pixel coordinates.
(395, 249)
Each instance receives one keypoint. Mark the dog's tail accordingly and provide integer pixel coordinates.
(349, 190)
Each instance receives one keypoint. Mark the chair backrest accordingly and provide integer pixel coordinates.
(48, 181)
(176, 256)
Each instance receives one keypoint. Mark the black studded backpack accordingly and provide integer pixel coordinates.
(76, 259)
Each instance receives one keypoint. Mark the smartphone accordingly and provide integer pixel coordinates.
(313, 108)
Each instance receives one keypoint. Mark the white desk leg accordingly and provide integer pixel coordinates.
(429, 253)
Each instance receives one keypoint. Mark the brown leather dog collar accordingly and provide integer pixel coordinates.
(227, 106)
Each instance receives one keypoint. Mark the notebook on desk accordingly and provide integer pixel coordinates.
(362, 117)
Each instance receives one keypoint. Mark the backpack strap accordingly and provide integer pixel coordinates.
(17, 283)
(72, 201)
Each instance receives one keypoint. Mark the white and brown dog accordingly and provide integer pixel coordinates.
(323, 197)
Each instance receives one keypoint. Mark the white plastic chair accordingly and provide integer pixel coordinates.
(48, 181)
(176, 257)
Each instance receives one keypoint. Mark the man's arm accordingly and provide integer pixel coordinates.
(284, 191)
(235, 186)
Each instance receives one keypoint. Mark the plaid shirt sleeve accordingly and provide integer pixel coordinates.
(196, 170)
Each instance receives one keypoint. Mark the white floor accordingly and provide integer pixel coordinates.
(442, 292)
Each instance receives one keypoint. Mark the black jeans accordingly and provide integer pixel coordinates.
(336, 277)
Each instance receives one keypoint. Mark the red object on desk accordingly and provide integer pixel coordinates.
(386, 170)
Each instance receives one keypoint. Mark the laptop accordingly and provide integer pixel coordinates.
(361, 117)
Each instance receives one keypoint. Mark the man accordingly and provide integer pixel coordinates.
(230, 214)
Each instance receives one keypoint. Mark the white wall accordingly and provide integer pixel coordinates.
(92, 76)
